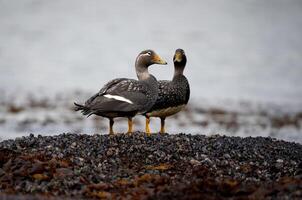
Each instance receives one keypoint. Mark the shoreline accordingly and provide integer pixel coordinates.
(45, 115)
(157, 167)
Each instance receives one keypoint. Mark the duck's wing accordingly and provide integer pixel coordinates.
(119, 95)
(113, 84)
(187, 89)
(110, 84)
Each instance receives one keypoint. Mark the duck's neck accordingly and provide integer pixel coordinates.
(178, 68)
(141, 70)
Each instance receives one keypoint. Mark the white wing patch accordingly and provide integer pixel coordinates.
(119, 98)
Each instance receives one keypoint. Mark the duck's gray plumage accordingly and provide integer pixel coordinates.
(124, 97)
(142, 94)
(172, 95)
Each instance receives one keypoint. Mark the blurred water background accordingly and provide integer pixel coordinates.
(244, 62)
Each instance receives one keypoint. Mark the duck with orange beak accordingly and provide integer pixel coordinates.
(124, 97)
(173, 95)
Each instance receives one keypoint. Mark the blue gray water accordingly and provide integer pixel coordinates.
(248, 50)
(236, 49)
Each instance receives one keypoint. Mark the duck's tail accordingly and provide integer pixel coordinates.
(84, 109)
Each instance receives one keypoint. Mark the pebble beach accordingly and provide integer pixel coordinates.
(122, 166)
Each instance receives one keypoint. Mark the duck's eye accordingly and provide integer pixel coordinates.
(149, 53)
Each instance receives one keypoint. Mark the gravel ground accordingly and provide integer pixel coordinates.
(135, 166)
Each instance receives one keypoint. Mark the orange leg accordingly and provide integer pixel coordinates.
(148, 132)
(162, 125)
(130, 125)
(111, 122)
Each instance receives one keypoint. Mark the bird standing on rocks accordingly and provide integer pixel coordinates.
(124, 97)
(173, 95)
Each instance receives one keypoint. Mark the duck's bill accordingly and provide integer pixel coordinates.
(177, 57)
(158, 60)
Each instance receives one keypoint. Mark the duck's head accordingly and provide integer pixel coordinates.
(180, 61)
(180, 57)
(149, 57)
